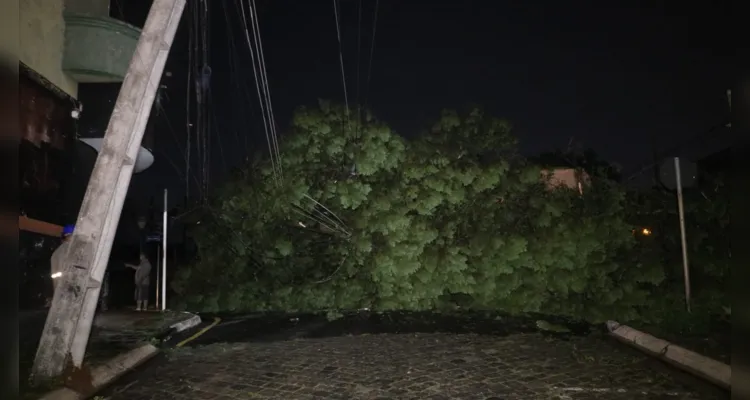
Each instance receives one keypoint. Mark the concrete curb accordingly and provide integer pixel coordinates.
(701, 366)
(186, 324)
(119, 365)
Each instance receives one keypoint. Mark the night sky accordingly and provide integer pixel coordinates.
(625, 80)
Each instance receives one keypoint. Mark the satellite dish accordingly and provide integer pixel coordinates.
(144, 159)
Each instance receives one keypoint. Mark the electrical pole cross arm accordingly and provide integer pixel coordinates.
(69, 321)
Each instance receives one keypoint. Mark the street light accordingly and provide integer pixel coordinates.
(143, 160)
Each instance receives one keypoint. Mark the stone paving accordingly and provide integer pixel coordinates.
(408, 366)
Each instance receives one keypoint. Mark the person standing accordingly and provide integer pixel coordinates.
(58, 257)
(142, 282)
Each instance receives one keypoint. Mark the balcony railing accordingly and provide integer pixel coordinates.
(98, 49)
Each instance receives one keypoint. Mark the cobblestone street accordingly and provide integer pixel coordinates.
(409, 366)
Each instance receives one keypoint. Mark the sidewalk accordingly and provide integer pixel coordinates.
(113, 333)
(716, 345)
(705, 356)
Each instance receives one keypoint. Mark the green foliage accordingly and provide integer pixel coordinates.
(452, 219)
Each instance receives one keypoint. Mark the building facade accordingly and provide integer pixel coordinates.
(62, 45)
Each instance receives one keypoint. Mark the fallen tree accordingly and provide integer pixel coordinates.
(455, 218)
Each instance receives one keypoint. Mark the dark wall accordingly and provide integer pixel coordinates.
(47, 147)
(46, 150)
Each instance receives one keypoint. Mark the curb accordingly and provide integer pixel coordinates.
(701, 366)
(119, 365)
(186, 324)
(179, 327)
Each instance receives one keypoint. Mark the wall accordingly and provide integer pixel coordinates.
(41, 40)
(569, 177)
(88, 7)
(9, 30)
(47, 134)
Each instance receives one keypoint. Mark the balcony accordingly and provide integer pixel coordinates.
(98, 49)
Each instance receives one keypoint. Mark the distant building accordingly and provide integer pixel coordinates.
(573, 178)
(558, 169)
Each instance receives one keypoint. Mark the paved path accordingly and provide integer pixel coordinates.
(410, 366)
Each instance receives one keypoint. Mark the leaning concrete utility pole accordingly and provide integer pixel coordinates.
(68, 326)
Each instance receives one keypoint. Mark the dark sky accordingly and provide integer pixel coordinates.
(622, 79)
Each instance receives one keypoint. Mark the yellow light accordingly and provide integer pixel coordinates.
(646, 232)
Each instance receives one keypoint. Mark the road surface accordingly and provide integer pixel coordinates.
(374, 358)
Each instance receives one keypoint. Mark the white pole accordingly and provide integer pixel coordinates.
(164, 256)
(681, 209)
(158, 263)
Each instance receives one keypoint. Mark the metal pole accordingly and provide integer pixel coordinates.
(681, 210)
(69, 321)
(158, 263)
(164, 256)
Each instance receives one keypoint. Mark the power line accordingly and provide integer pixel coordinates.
(261, 99)
(201, 92)
(341, 57)
(372, 52)
(359, 52)
(200, 28)
(188, 124)
(233, 66)
(218, 140)
(267, 90)
(651, 165)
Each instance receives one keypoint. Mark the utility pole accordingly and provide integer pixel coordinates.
(68, 326)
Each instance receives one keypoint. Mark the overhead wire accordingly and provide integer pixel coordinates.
(218, 140)
(267, 90)
(163, 113)
(340, 224)
(359, 58)
(372, 54)
(171, 130)
(204, 127)
(258, 91)
(325, 219)
(341, 59)
(646, 167)
(197, 60)
(306, 214)
(188, 123)
(238, 79)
